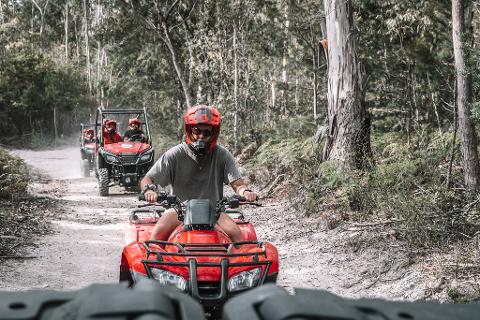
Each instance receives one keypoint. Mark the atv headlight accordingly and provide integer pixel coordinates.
(111, 159)
(146, 157)
(244, 280)
(167, 278)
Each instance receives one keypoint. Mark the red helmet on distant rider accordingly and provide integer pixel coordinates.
(136, 121)
(88, 131)
(202, 115)
(111, 125)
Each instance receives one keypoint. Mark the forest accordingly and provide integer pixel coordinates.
(357, 111)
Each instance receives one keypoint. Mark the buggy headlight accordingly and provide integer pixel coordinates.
(244, 280)
(165, 277)
(111, 158)
(146, 157)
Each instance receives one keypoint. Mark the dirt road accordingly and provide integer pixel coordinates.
(86, 243)
(88, 238)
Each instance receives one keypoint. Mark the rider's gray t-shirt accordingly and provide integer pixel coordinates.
(192, 178)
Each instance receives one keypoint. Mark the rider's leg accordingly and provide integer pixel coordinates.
(230, 227)
(165, 225)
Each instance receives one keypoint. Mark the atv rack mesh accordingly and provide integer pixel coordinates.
(219, 250)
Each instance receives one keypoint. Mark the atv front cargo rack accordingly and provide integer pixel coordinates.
(192, 250)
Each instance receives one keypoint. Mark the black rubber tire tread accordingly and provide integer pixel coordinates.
(103, 182)
(85, 167)
(126, 276)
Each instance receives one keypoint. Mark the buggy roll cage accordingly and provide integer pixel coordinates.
(102, 112)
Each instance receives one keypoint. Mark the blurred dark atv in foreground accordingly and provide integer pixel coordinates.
(148, 300)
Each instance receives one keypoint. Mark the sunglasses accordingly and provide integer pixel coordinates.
(205, 132)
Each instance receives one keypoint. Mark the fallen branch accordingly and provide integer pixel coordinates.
(274, 184)
(18, 257)
(9, 237)
(372, 224)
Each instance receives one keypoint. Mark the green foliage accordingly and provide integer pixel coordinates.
(31, 87)
(284, 156)
(14, 176)
(407, 186)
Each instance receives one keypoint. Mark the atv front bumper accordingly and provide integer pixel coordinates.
(209, 293)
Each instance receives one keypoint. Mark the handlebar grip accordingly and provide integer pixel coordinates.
(141, 197)
(241, 198)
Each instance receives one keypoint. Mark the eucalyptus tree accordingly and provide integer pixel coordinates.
(349, 127)
(163, 18)
(461, 32)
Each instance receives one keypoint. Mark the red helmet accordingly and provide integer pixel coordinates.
(109, 122)
(88, 131)
(135, 121)
(202, 114)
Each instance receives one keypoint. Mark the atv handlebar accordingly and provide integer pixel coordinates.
(171, 201)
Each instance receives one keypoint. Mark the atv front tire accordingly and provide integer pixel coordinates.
(103, 181)
(85, 167)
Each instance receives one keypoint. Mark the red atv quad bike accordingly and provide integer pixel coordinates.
(198, 258)
(87, 150)
(118, 162)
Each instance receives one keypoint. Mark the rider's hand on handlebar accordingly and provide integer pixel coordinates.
(150, 196)
(250, 196)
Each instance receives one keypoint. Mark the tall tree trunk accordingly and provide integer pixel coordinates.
(165, 36)
(349, 126)
(87, 46)
(66, 31)
(55, 127)
(2, 19)
(315, 83)
(77, 42)
(285, 56)
(461, 20)
(235, 88)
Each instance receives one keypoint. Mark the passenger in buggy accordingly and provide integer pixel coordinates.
(88, 136)
(110, 134)
(134, 133)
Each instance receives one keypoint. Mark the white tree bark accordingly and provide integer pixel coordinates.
(349, 129)
(66, 31)
(87, 46)
(2, 19)
(235, 88)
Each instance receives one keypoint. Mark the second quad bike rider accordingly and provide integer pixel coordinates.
(110, 134)
(134, 133)
(196, 169)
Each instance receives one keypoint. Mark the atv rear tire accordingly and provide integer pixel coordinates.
(103, 181)
(85, 167)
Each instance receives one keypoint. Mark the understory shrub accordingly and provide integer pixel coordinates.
(407, 186)
(14, 176)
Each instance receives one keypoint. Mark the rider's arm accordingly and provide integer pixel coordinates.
(126, 136)
(240, 188)
(150, 195)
